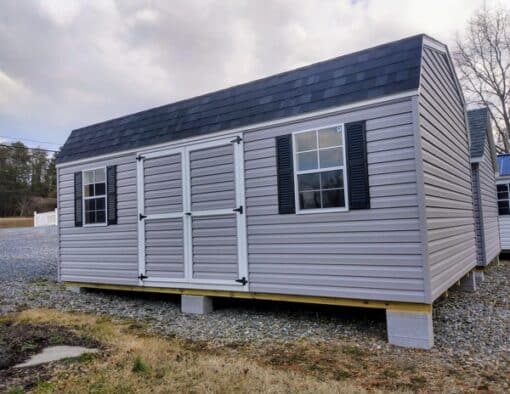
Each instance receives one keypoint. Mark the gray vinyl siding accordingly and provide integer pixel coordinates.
(100, 254)
(162, 184)
(480, 247)
(215, 247)
(368, 254)
(446, 173)
(489, 206)
(164, 248)
(212, 178)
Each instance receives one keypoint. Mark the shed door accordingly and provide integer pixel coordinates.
(192, 216)
(163, 208)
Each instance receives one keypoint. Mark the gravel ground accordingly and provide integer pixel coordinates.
(472, 326)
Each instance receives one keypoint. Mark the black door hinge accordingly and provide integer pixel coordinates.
(243, 281)
(142, 217)
(240, 209)
(237, 140)
(188, 213)
(142, 277)
(140, 157)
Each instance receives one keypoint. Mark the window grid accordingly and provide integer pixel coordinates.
(320, 170)
(503, 198)
(99, 215)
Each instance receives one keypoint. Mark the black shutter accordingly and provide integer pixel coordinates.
(357, 177)
(78, 207)
(111, 187)
(284, 160)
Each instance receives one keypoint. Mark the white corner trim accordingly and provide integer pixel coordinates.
(430, 42)
(256, 126)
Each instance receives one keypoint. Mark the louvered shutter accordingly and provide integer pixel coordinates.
(78, 206)
(359, 191)
(111, 190)
(285, 173)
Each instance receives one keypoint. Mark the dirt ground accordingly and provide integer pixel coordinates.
(132, 361)
(19, 341)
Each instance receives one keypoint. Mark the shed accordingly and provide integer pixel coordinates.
(346, 182)
(503, 187)
(483, 168)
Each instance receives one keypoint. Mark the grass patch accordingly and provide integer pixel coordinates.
(140, 366)
(135, 362)
(16, 222)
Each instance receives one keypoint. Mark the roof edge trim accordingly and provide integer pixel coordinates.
(291, 119)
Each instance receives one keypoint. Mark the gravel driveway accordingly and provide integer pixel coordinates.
(474, 327)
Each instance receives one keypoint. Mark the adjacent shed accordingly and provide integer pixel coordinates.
(503, 188)
(483, 168)
(346, 182)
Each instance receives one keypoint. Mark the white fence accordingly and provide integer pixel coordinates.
(46, 218)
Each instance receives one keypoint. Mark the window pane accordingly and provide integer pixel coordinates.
(100, 189)
(503, 195)
(309, 200)
(503, 207)
(89, 190)
(100, 203)
(331, 157)
(90, 205)
(306, 141)
(100, 217)
(88, 177)
(330, 137)
(90, 217)
(333, 198)
(307, 161)
(309, 182)
(332, 179)
(501, 188)
(100, 176)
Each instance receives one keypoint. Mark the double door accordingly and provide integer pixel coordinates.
(192, 227)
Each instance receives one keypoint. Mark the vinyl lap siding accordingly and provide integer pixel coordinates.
(368, 254)
(489, 206)
(162, 184)
(164, 248)
(504, 232)
(480, 247)
(101, 254)
(447, 176)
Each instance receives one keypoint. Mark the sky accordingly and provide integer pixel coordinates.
(65, 64)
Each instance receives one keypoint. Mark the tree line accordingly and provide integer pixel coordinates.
(28, 180)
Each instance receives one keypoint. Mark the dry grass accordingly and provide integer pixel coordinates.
(138, 363)
(135, 362)
(16, 222)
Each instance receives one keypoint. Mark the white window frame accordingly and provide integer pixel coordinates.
(83, 198)
(319, 170)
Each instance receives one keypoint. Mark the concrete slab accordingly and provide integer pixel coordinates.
(410, 329)
(55, 353)
(479, 277)
(196, 304)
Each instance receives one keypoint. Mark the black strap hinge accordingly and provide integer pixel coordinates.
(142, 216)
(240, 209)
(140, 157)
(243, 281)
(142, 277)
(236, 140)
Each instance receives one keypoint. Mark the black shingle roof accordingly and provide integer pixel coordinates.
(478, 121)
(376, 72)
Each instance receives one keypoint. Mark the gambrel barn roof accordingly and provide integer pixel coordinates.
(369, 74)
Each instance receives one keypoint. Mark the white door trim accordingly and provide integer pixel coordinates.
(188, 281)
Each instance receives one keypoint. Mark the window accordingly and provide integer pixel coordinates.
(319, 166)
(94, 196)
(503, 199)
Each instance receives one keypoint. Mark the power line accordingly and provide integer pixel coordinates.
(40, 149)
(26, 139)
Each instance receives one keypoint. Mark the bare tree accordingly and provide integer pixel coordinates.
(482, 57)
